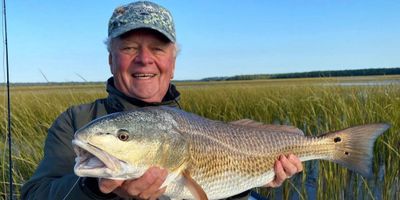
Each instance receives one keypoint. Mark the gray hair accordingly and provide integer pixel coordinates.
(109, 40)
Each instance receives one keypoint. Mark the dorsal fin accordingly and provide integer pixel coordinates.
(255, 124)
(195, 189)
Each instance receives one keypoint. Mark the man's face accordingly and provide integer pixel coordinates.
(142, 63)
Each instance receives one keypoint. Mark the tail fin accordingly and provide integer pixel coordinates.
(354, 146)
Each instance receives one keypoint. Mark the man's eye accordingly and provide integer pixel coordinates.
(158, 49)
(128, 48)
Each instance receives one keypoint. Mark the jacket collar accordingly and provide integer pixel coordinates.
(118, 101)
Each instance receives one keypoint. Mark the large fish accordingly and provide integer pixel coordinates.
(207, 158)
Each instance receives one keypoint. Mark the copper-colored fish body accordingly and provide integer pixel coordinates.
(224, 159)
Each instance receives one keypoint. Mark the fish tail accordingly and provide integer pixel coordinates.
(354, 146)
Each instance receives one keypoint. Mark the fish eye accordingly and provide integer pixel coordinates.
(123, 135)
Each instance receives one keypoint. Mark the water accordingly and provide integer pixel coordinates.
(365, 83)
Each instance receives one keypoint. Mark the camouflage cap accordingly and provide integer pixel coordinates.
(141, 14)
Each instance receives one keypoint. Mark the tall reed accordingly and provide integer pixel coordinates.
(314, 105)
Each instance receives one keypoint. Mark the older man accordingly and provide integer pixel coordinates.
(142, 52)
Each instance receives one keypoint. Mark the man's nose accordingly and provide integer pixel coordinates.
(144, 56)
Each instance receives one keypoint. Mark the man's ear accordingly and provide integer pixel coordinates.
(110, 63)
(173, 71)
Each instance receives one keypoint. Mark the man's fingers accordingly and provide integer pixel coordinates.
(284, 168)
(296, 161)
(280, 175)
(131, 187)
(153, 190)
(107, 185)
(289, 168)
(148, 178)
(158, 193)
(147, 185)
(137, 186)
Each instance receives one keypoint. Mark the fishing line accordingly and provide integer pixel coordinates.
(70, 190)
(4, 113)
(4, 120)
(10, 168)
(4, 65)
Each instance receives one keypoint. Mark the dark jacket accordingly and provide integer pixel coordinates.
(54, 177)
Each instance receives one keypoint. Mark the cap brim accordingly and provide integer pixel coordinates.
(129, 27)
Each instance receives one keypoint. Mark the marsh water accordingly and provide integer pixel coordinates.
(365, 83)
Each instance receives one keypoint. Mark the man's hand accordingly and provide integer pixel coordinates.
(145, 187)
(285, 167)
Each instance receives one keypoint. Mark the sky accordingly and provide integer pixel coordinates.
(62, 40)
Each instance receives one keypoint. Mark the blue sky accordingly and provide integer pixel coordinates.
(63, 39)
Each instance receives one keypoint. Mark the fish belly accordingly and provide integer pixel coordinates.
(226, 185)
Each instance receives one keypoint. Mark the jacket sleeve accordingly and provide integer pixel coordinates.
(54, 177)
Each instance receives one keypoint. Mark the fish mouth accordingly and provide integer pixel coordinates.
(92, 161)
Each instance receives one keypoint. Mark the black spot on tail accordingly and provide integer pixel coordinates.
(337, 139)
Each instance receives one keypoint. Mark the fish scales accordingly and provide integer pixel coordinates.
(219, 151)
(224, 159)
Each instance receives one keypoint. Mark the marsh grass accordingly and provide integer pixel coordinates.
(314, 105)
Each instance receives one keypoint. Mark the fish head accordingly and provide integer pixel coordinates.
(124, 145)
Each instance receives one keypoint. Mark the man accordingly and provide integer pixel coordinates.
(142, 52)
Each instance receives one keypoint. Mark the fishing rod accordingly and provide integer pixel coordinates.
(10, 166)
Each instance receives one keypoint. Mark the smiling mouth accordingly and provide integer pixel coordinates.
(144, 76)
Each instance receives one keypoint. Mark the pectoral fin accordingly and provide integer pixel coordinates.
(194, 188)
